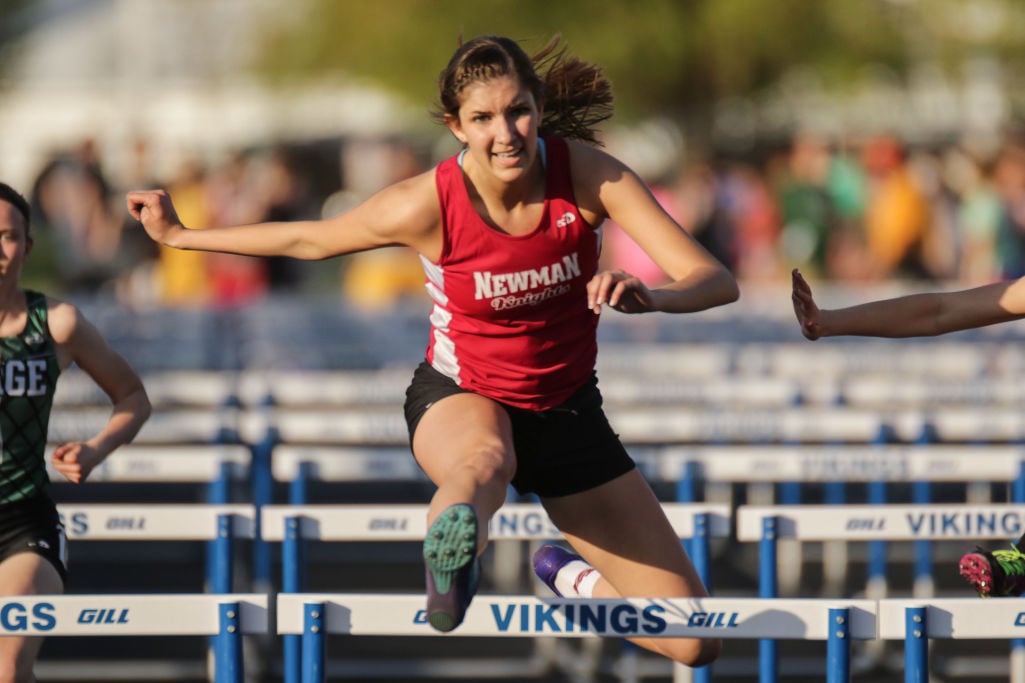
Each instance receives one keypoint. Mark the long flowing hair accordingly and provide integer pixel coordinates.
(576, 95)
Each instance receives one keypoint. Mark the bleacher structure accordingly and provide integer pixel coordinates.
(828, 490)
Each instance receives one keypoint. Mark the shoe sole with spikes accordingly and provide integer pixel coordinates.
(977, 570)
(450, 553)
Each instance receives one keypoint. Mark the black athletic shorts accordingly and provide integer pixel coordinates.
(33, 526)
(560, 451)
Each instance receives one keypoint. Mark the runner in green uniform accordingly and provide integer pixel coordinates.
(39, 338)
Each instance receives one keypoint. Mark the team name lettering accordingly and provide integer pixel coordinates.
(532, 524)
(583, 618)
(24, 377)
(966, 523)
(489, 285)
(862, 468)
(14, 616)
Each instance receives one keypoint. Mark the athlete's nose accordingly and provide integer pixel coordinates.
(506, 132)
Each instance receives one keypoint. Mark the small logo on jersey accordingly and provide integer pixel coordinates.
(565, 219)
(34, 339)
(39, 544)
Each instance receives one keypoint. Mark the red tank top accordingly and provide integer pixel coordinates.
(510, 318)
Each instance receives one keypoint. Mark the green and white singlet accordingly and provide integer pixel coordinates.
(28, 379)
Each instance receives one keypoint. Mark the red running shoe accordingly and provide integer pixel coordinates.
(995, 574)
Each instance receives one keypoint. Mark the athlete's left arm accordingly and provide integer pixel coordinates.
(78, 341)
(606, 188)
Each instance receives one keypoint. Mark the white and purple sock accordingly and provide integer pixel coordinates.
(577, 579)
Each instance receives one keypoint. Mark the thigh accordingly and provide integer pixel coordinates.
(621, 530)
(462, 428)
(26, 573)
(29, 574)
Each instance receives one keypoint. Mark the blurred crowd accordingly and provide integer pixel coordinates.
(872, 211)
(868, 211)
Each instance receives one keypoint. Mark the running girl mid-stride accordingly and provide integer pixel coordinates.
(509, 232)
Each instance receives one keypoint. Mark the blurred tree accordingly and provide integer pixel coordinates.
(662, 55)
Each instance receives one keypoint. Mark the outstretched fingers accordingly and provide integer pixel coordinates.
(805, 309)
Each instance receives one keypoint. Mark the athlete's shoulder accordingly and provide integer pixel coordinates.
(584, 155)
(593, 171)
(63, 319)
(406, 212)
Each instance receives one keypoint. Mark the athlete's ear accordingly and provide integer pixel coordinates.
(456, 127)
(28, 245)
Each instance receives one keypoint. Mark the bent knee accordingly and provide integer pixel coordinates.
(695, 653)
(490, 466)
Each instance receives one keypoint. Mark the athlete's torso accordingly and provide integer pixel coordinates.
(28, 378)
(510, 318)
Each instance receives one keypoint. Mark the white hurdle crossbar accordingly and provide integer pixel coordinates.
(215, 465)
(224, 617)
(838, 622)
(513, 521)
(840, 462)
(219, 524)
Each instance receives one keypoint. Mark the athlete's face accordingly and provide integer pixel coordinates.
(498, 121)
(14, 244)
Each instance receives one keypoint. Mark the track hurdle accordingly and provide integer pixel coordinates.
(768, 524)
(298, 465)
(877, 465)
(839, 622)
(226, 618)
(917, 623)
(219, 524)
(292, 525)
(217, 466)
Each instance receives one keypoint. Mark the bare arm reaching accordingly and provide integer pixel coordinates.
(405, 213)
(914, 315)
(610, 189)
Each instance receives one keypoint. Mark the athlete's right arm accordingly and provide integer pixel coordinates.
(405, 213)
